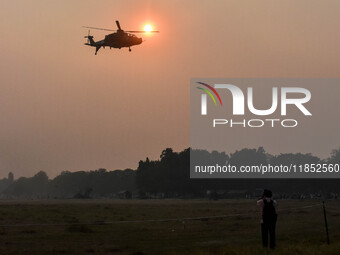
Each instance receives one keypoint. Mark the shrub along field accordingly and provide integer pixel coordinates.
(151, 227)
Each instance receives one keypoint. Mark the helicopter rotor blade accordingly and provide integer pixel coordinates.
(118, 25)
(142, 32)
(98, 28)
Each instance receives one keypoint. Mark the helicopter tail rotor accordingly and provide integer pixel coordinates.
(90, 40)
(87, 36)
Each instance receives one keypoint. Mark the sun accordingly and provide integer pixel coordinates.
(148, 28)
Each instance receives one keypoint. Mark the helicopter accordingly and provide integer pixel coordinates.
(118, 40)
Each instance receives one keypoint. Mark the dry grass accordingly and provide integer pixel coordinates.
(76, 227)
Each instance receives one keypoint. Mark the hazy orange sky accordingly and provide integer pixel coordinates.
(63, 108)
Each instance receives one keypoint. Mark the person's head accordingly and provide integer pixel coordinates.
(267, 193)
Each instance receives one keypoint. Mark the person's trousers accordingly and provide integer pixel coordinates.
(268, 229)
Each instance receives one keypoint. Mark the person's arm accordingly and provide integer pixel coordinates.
(260, 202)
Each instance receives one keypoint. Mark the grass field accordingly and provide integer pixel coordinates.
(124, 227)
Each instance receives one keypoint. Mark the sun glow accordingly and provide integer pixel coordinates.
(148, 28)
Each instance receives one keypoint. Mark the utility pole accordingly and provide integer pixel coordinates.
(326, 225)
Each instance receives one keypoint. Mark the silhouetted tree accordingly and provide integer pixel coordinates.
(169, 176)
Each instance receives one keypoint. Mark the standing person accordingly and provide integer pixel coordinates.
(268, 218)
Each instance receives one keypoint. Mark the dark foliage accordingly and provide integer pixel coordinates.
(169, 177)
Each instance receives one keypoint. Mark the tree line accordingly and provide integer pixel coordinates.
(170, 174)
(169, 177)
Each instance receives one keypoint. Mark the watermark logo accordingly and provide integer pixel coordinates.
(232, 120)
(239, 99)
(204, 97)
(243, 104)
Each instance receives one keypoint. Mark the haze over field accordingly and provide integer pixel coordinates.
(63, 108)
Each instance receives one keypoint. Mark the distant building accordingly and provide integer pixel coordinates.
(216, 194)
(124, 194)
(258, 192)
(234, 194)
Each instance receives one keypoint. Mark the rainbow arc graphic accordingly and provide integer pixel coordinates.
(209, 93)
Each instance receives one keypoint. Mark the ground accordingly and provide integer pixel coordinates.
(139, 227)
